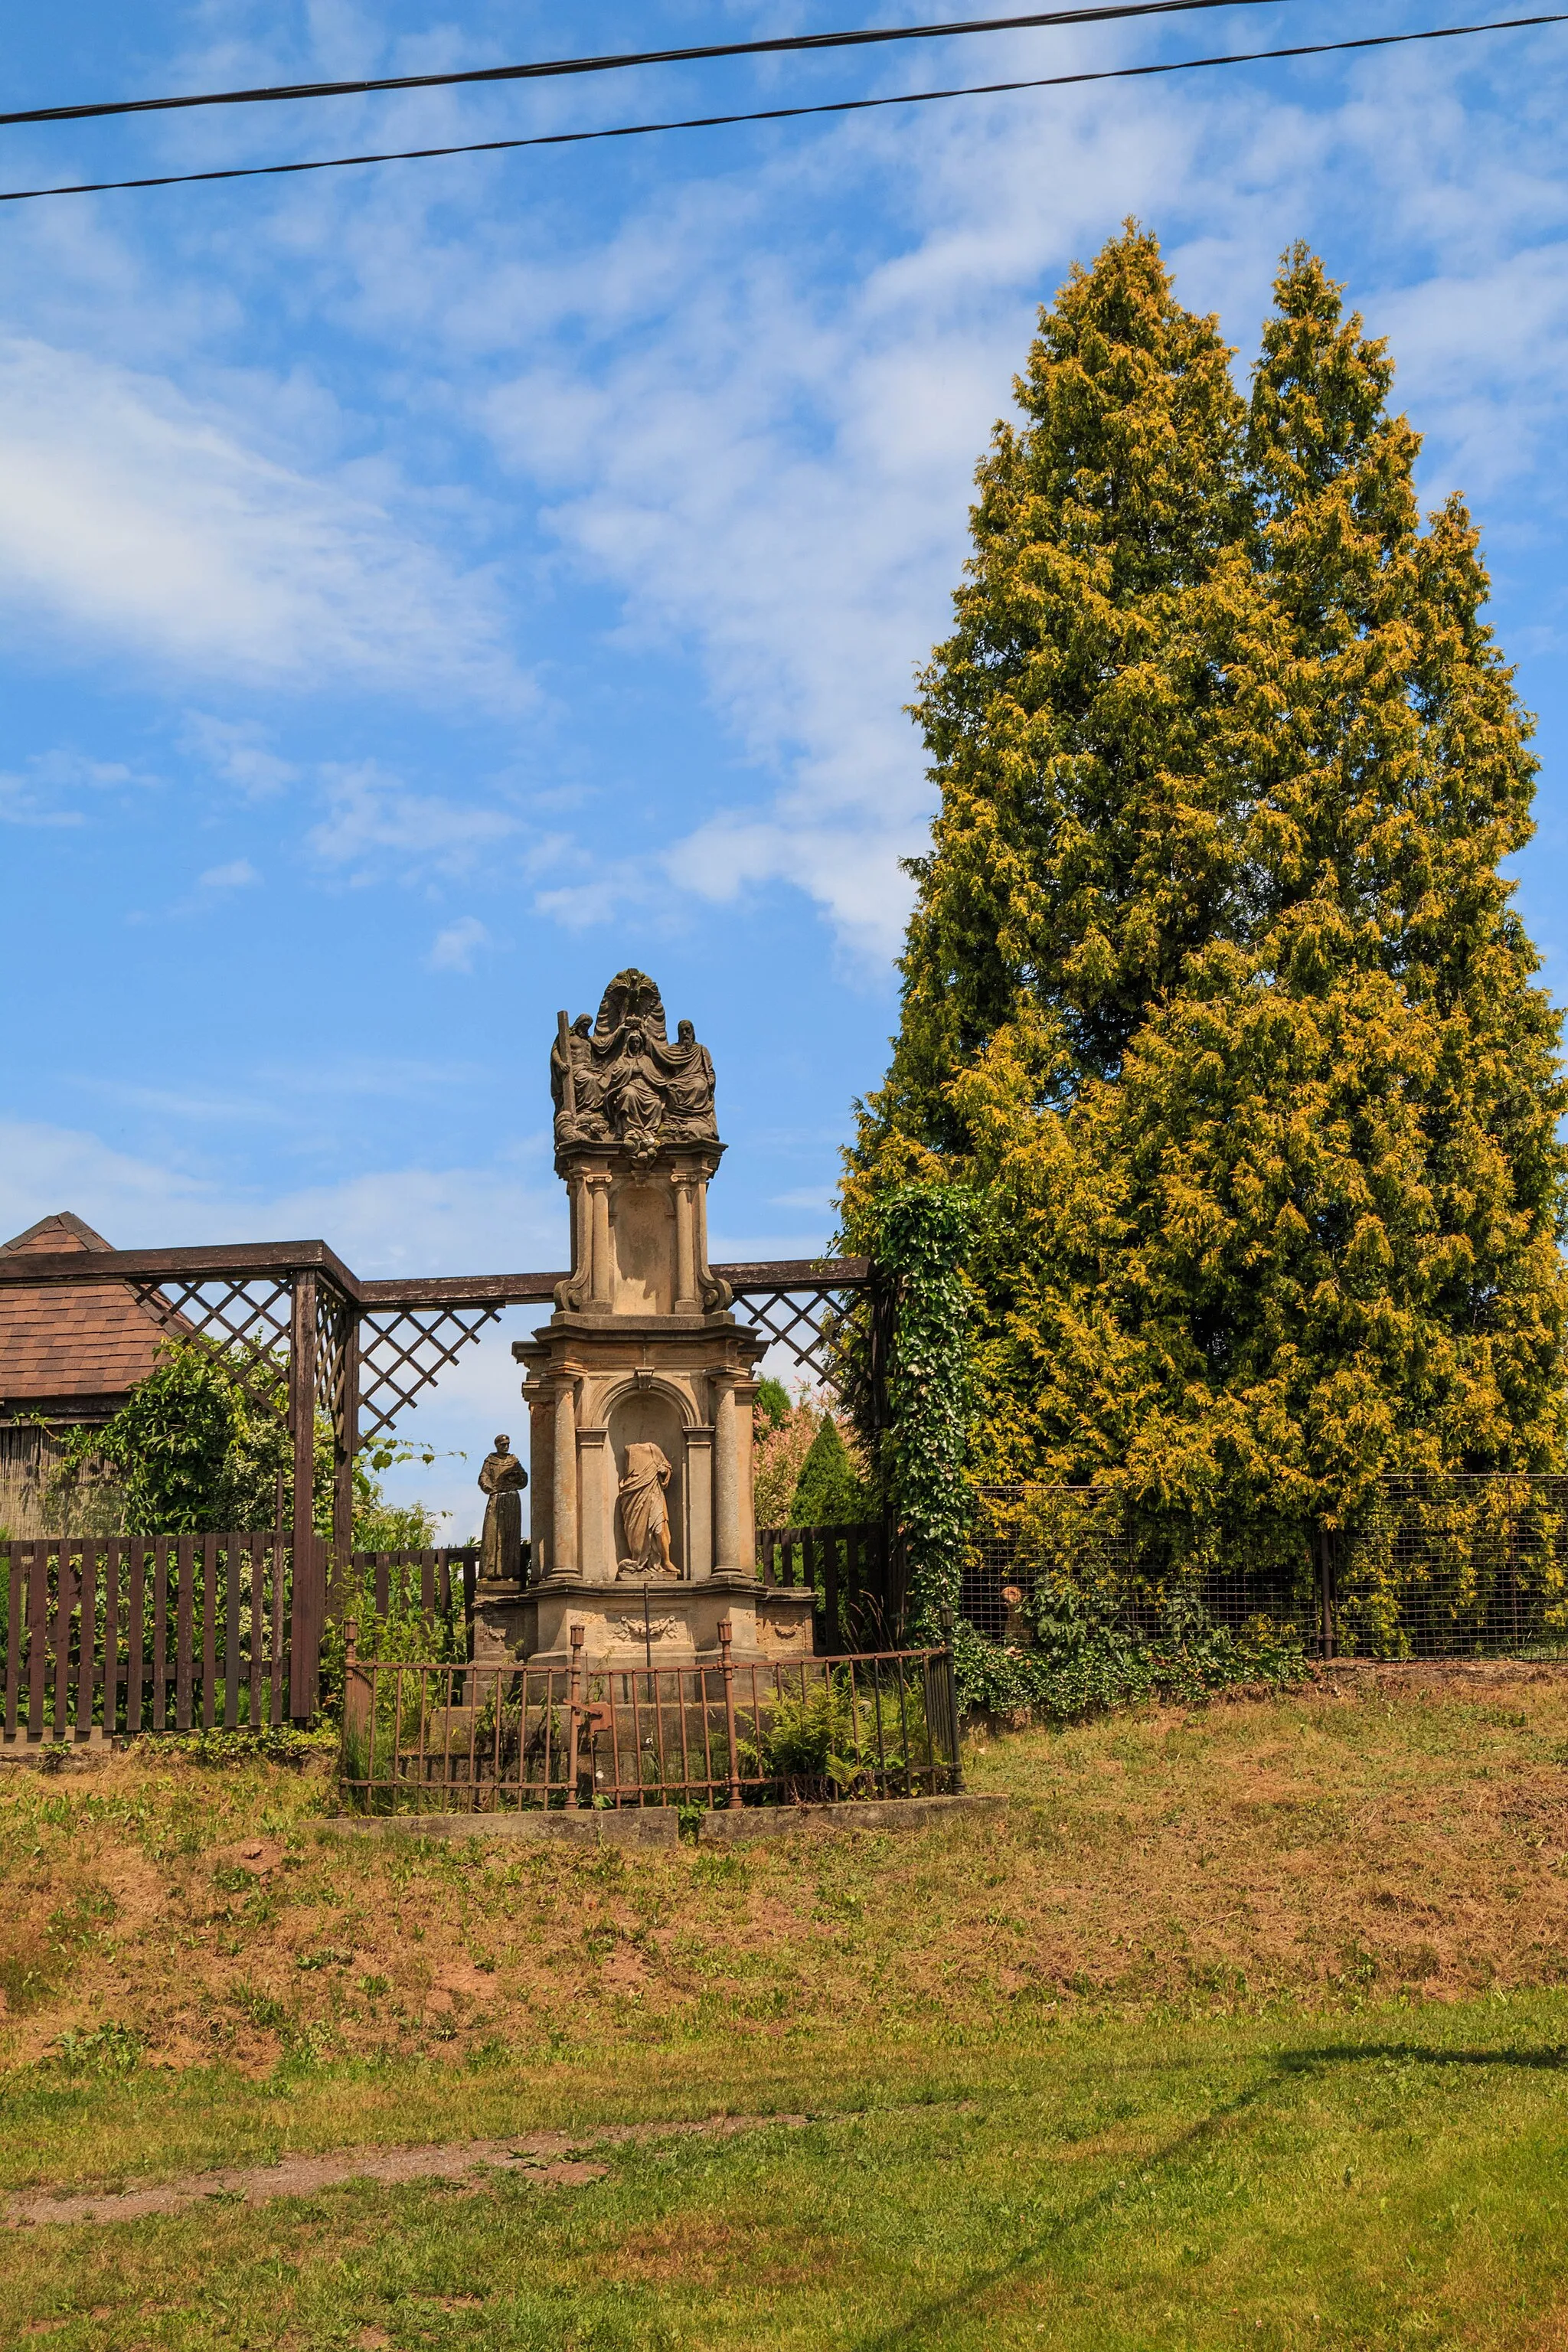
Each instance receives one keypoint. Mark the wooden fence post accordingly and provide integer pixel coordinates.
(345, 1442)
(359, 1713)
(950, 1675)
(1325, 1593)
(307, 1614)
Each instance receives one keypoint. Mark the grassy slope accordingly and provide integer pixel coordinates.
(1241, 2030)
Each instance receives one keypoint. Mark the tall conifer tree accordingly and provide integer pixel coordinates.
(1213, 985)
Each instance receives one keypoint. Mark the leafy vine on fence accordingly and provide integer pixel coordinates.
(922, 1234)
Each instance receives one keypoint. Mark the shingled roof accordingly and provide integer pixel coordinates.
(86, 1344)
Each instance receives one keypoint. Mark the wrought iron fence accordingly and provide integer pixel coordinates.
(422, 1738)
(1466, 1566)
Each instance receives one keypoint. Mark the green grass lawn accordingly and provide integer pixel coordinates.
(1400, 2177)
(1244, 2028)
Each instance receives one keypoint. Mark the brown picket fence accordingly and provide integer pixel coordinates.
(109, 1636)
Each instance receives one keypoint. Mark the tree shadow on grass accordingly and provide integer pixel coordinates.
(1290, 2066)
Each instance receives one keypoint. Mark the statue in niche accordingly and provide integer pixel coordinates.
(645, 1513)
(622, 1082)
(501, 1482)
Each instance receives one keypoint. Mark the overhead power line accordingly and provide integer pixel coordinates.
(1113, 11)
(786, 113)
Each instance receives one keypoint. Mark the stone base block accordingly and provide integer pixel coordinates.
(679, 1625)
(746, 1823)
(648, 1826)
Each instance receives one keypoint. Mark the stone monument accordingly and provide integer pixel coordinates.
(639, 1386)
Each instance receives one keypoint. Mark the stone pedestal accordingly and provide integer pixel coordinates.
(642, 1351)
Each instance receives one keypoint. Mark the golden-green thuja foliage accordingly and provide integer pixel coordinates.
(1213, 990)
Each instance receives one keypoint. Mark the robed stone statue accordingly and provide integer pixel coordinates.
(502, 1481)
(645, 1513)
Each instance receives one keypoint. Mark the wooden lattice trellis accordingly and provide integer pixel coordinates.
(805, 1322)
(801, 1304)
(249, 1321)
(292, 1314)
(404, 1350)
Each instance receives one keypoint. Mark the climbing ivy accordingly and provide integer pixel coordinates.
(916, 1433)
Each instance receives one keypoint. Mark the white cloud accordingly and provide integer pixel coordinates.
(376, 824)
(454, 949)
(236, 751)
(133, 519)
(771, 460)
(43, 1169)
(239, 875)
(405, 1221)
(47, 790)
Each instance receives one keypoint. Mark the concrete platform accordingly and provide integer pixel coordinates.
(899, 1813)
(648, 1826)
(660, 1825)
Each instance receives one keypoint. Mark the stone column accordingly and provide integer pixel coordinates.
(746, 1459)
(541, 1483)
(564, 1515)
(686, 1299)
(702, 1266)
(727, 1471)
(601, 1292)
(597, 1562)
(699, 1501)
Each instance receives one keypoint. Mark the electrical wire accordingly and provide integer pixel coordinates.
(785, 114)
(1113, 11)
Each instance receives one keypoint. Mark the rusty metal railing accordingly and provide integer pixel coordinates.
(423, 1737)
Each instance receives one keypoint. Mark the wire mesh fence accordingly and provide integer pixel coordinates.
(425, 1737)
(1466, 1566)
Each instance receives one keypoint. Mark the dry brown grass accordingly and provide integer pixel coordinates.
(1408, 1830)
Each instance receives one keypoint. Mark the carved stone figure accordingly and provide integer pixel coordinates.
(577, 1087)
(690, 1095)
(645, 1513)
(621, 1081)
(502, 1481)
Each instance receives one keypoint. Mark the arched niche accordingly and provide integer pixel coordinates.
(651, 1416)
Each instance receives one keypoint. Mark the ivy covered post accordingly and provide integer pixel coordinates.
(922, 1234)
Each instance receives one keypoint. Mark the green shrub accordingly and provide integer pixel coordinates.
(1087, 1659)
(830, 1491)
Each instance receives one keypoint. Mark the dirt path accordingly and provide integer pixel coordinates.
(543, 2159)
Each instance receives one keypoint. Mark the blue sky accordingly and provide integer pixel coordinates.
(428, 589)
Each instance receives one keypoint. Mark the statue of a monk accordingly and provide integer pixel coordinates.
(502, 1481)
(645, 1513)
